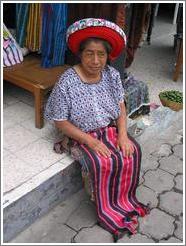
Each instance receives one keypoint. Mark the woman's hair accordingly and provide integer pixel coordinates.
(84, 43)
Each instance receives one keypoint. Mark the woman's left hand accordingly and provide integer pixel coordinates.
(125, 145)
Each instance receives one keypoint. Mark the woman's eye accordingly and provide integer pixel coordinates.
(101, 54)
(89, 54)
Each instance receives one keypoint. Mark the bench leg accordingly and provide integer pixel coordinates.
(39, 96)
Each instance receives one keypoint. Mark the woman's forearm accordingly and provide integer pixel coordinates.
(73, 132)
(122, 121)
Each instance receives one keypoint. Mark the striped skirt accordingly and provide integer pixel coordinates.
(115, 180)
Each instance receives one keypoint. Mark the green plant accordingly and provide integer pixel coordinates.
(172, 95)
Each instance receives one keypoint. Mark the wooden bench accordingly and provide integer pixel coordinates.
(30, 76)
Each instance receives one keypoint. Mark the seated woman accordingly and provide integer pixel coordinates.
(83, 104)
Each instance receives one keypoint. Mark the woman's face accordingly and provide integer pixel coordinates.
(94, 58)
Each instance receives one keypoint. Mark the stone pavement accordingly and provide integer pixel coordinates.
(161, 185)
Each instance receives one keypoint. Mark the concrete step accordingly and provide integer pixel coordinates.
(26, 203)
(34, 198)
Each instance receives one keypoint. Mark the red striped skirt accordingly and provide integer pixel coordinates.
(115, 180)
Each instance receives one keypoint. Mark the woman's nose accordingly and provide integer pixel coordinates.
(96, 59)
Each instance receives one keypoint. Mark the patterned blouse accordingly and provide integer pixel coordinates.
(87, 106)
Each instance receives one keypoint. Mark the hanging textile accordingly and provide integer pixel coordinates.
(33, 37)
(11, 51)
(22, 10)
(120, 15)
(54, 25)
(79, 11)
(138, 20)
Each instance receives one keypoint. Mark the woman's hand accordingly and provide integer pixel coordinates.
(123, 142)
(125, 145)
(99, 147)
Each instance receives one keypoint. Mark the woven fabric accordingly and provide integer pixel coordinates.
(53, 44)
(115, 180)
(11, 51)
(22, 14)
(111, 182)
(33, 38)
(100, 28)
(136, 94)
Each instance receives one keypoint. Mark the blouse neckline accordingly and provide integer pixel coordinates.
(86, 83)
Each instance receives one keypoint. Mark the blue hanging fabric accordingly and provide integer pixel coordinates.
(21, 22)
(53, 41)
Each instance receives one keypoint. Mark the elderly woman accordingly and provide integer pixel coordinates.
(84, 104)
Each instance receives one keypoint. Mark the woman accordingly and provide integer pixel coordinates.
(85, 102)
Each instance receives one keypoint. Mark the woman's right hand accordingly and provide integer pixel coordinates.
(99, 147)
(83, 138)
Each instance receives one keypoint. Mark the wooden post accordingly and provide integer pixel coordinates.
(39, 96)
(179, 61)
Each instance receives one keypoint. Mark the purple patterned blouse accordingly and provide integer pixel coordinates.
(87, 106)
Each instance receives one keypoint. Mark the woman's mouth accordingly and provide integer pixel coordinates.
(95, 68)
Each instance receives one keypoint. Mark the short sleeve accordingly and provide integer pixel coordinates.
(120, 89)
(57, 107)
(116, 84)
